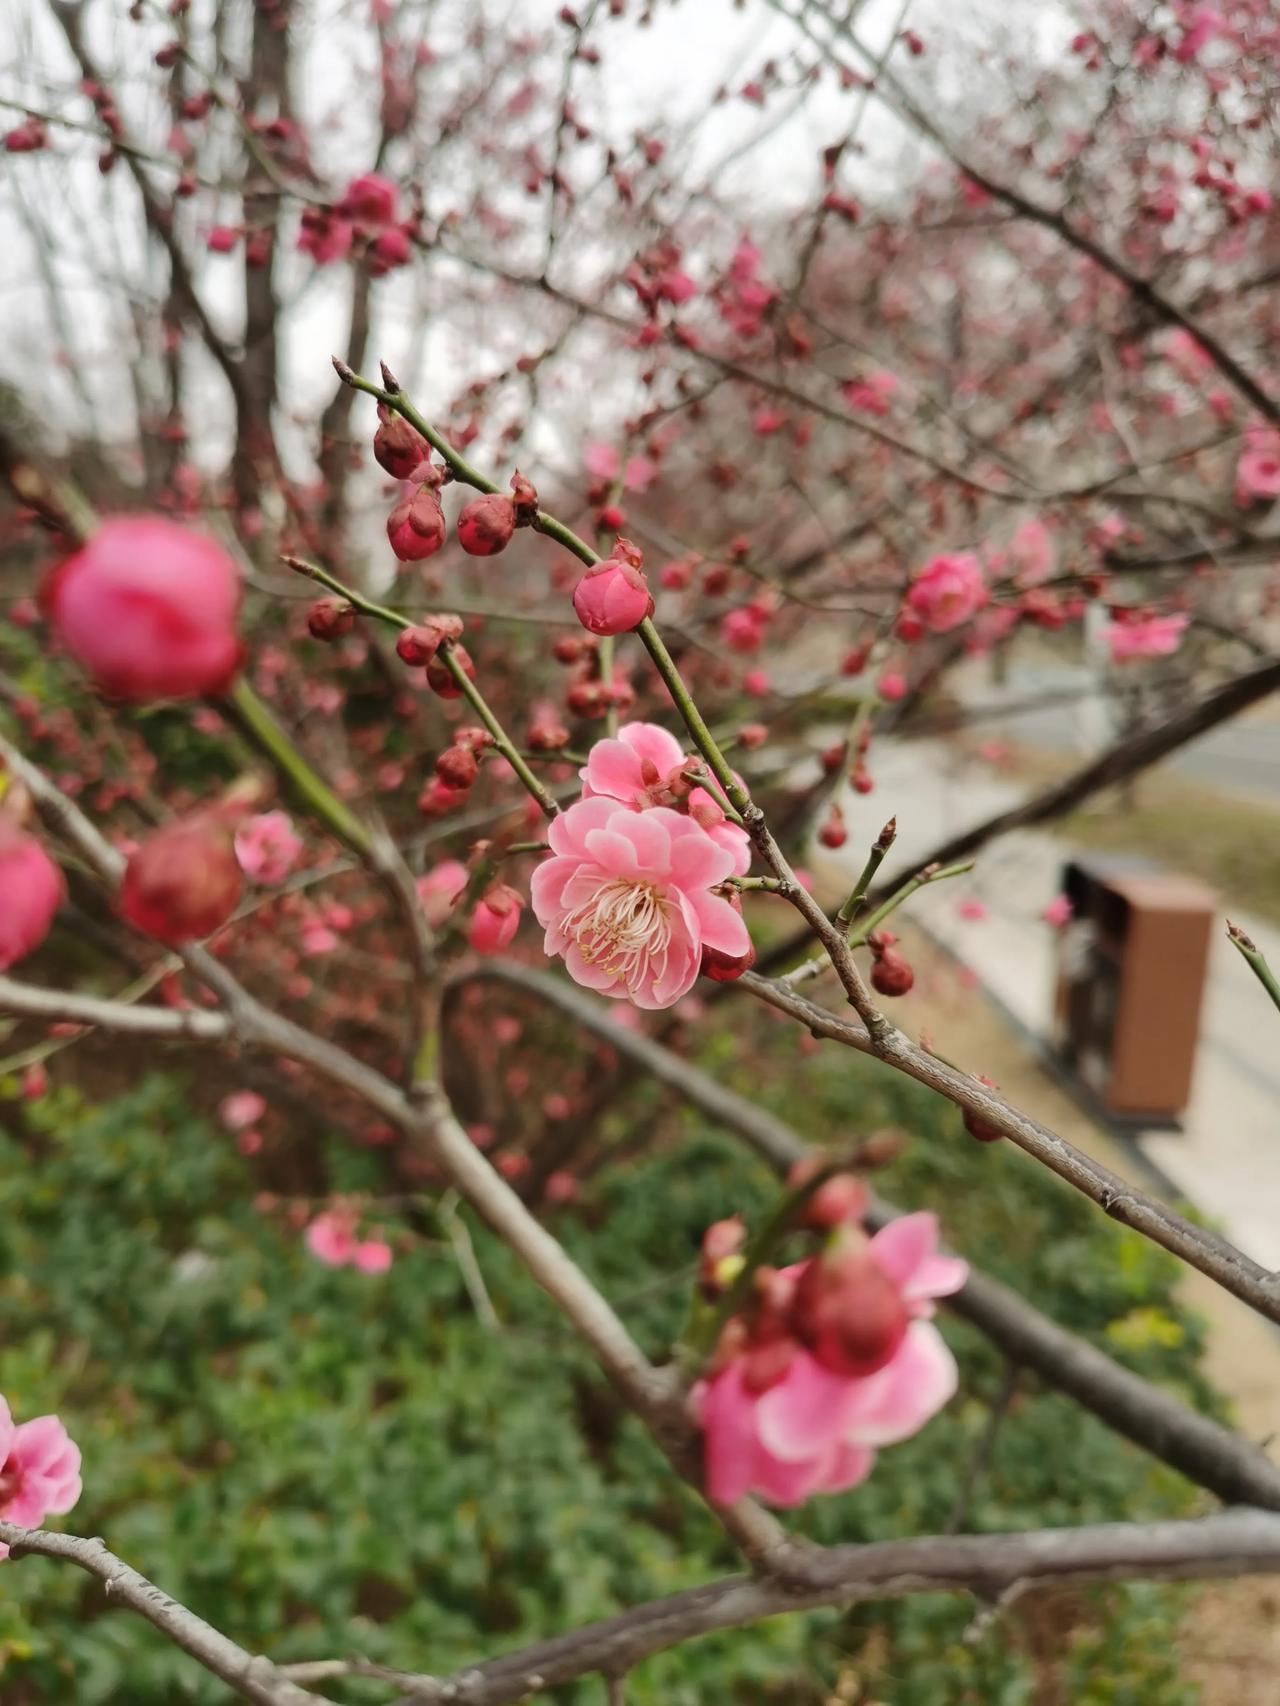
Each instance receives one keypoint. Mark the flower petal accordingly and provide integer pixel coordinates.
(806, 1413)
(898, 1401)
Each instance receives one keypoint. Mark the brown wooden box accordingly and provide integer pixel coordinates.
(1131, 979)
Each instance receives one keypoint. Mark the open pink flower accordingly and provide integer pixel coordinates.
(267, 847)
(331, 1238)
(637, 769)
(1031, 552)
(39, 1470)
(1258, 472)
(948, 591)
(31, 890)
(814, 1431)
(1059, 911)
(241, 1109)
(1152, 637)
(625, 900)
(372, 1256)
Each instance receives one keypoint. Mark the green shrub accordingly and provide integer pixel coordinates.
(321, 1462)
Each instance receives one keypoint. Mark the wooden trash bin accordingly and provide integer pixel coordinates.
(1131, 974)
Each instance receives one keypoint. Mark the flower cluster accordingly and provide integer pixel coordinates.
(835, 1358)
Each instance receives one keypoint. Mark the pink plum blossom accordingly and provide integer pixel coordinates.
(440, 888)
(1258, 472)
(613, 597)
(640, 766)
(39, 1470)
(372, 1256)
(872, 394)
(812, 1431)
(241, 1109)
(1058, 912)
(331, 1238)
(1031, 552)
(267, 847)
(625, 898)
(31, 890)
(948, 591)
(1150, 637)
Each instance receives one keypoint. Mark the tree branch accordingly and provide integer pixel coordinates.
(255, 1678)
(1207, 1453)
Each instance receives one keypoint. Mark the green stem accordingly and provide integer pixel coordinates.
(895, 900)
(470, 692)
(261, 726)
(1256, 962)
(703, 739)
(857, 897)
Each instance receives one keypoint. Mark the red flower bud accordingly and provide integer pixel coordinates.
(416, 526)
(833, 832)
(398, 447)
(457, 767)
(486, 524)
(418, 645)
(891, 975)
(613, 597)
(847, 1311)
(330, 618)
(183, 882)
(440, 680)
(525, 500)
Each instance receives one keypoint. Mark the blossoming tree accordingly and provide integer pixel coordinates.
(518, 741)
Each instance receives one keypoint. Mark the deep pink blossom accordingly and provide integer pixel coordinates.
(1150, 637)
(1258, 472)
(31, 890)
(372, 1256)
(39, 1470)
(639, 768)
(148, 609)
(812, 1431)
(370, 202)
(1059, 911)
(873, 394)
(948, 591)
(267, 847)
(1032, 556)
(625, 899)
(331, 1238)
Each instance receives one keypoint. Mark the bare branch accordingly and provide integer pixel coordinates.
(1195, 1445)
(29, 1002)
(255, 1678)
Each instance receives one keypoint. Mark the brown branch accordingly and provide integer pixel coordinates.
(1207, 1453)
(992, 1567)
(255, 1678)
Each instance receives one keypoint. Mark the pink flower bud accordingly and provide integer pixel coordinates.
(440, 888)
(31, 890)
(183, 881)
(416, 526)
(148, 610)
(398, 447)
(847, 1311)
(486, 524)
(613, 597)
(495, 920)
(330, 618)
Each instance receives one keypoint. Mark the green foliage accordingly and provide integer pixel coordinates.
(322, 1462)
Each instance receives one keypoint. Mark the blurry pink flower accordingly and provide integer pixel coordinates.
(31, 890)
(318, 939)
(1058, 912)
(331, 1238)
(495, 920)
(1200, 26)
(602, 461)
(439, 889)
(639, 767)
(757, 683)
(1031, 552)
(971, 909)
(767, 421)
(267, 847)
(561, 1187)
(625, 899)
(639, 473)
(1258, 473)
(948, 591)
(872, 394)
(370, 202)
(892, 685)
(1187, 354)
(373, 1256)
(743, 630)
(1152, 637)
(242, 1108)
(39, 1470)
